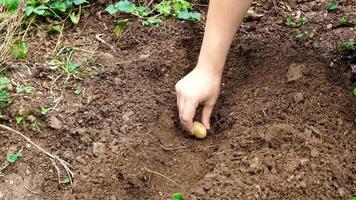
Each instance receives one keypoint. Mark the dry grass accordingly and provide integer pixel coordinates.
(9, 25)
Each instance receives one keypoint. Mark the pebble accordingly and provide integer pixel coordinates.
(294, 72)
(298, 97)
(55, 123)
(98, 148)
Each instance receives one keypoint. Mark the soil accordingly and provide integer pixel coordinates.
(283, 127)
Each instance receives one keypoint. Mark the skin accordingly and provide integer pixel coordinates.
(202, 85)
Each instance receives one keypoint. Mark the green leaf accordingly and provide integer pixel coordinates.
(19, 49)
(152, 21)
(71, 67)
(354, 91)
(44, 110)
(77, 91)
(142, 11)
(345, 20)
(54, 28)
(111, 9)
(348, 45)
(119, 25)
(74, 18)
(185, 15)
(165, 8)
(19, 119)
(12, 5)
(1, 117)
(125, 6)
(4, 82)
(25, 89)
(57, 5)
(39, 10)
(181, 6)
(12, 158)
(79, 2)
(177, 196)
(3, 98)
(66, 181)
(331, 6)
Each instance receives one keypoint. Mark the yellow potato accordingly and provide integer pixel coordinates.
(199, 130)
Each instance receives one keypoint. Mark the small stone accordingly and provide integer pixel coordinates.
(314, 153)
(81, 161)
(298, 97)
(55, 123)
(255, 163)
(27, 171)
(329, 26)
(303, 184)
(294, 72)
(98, 149)
(127, 115)
(304, 161)
(31, 118)
(341, 192)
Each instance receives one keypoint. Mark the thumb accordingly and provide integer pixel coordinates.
(207, 110)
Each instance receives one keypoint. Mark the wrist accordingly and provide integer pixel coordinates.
(211, 68)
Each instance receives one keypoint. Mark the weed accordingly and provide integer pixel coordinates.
(354, 91)
(348, 45)
(78, 91)
(65, 181)
(13, 157)
(303, 36)
(119, 25)
(20, 119)
(345, 20)
(4, 95)
(27, 89)
(332, 6)
(19, 49)
(44, 110)
(296, 22)
(177, 8)
(177, 196)
(1, 116)
(152, 21)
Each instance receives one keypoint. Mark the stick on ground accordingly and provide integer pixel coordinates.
(62, 162)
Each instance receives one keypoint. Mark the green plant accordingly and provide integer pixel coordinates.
(44, 110)
(354, 91)
(180, 9)
(348, 45)
(77, 91)
(296, 22)
(27, 89)
(345, 20)
(13, 157)
(65, 181)
(4, 85)
(331, 6)
(119, 25)
(20, 119)
(19, 49)
(177, 196)
(1, 116)
(303, 36)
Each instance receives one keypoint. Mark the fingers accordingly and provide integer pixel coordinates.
(186, 114)
(207, 110)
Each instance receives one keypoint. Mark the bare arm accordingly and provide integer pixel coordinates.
(202, 85)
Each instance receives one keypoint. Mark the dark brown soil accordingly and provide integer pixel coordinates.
(272, 138)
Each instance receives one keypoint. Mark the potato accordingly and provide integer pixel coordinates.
(199, 130)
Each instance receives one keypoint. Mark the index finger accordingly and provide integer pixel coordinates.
(187, 114)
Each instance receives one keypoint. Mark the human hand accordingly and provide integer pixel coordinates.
(200, 86)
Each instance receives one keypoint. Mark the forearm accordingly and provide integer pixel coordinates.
(224, 19)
